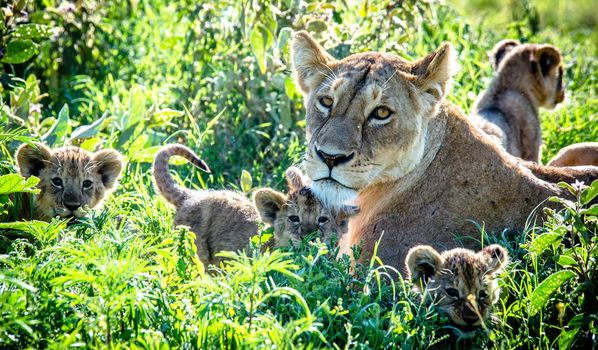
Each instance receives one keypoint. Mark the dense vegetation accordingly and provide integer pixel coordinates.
(215, 76)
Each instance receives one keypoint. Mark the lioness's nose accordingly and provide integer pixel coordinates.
(333, 160)
(72, 206)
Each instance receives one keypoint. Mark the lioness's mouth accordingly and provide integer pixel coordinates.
(328, 178)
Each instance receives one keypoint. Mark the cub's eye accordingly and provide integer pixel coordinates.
(294, 219)
(381, 113)
(483, 294)
(87, 184)
(452, 292)
(322, 220)
(326, 101)
(57, 182)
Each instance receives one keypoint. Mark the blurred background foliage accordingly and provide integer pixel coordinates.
(216, 75)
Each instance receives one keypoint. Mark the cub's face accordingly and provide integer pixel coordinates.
(538, 68)
(460, 282)
(300, 213)
(366, 114)
(71, 179)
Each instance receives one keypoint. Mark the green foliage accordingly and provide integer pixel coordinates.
(136, 75)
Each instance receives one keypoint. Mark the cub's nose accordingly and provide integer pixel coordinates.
(72, 206)
(469, 315)
(332, 160)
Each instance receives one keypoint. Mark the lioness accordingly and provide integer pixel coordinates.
(527, 77)
(71, 179)
(462, 283)
(577, 154)
(379, 130)
(225, 220)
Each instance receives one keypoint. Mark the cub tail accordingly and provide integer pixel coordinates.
(170, 189)
(553, 174)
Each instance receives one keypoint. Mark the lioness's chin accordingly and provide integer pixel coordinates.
(332, 194)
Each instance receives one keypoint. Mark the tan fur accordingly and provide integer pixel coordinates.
(63, 174)
(528, 77)
(421, 174)
(585, 153)
(226, 220)
(460, 282)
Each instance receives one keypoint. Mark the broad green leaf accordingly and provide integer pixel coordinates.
(544, 241)
(9, 279)
(317, 26)
(542, 293)
(166, 115)
(589, 193)
(90, 143)
(566, 260)
(284, 37)
(60, 129)
(260, 39)
(15, 183)
(19, 51)
(32, 31)
(86, 131)
(246, 181)
(593, 210)
(32, 227)
(569, 333)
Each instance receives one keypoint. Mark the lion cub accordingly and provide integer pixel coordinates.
(225, 220)
(71, 178)
(461, 282)
(528, 76)
(584, 153)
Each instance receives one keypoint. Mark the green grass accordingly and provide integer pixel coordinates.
(216, 77)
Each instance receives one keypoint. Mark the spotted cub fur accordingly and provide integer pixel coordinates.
(225, 220)
(462, 283)
(71, 178)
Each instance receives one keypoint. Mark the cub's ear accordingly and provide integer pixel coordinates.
(546, 57)
(32, 158)
(311, 62)
(345, 212)
(109, 164)
(342, 215)
(434, 72)
(295, 179)
(422, 263)
(496, 257)
(500, 50)
(269, 203)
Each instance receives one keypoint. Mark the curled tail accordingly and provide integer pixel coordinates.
(587, 174)
(168, 188)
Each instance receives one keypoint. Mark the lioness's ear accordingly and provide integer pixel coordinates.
(109, 164)
(434, 72)
(500, 50)
(31, 159)
(422, 263)
(496, 257)
(311, 63)
(295, 179)
(546, 57)
(269, 203)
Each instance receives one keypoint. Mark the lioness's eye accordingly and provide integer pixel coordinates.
(452, 292)
(87, 184)
(326, 101)
(294, 219)
(380, 113)
(322, 220)
(57, 182)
